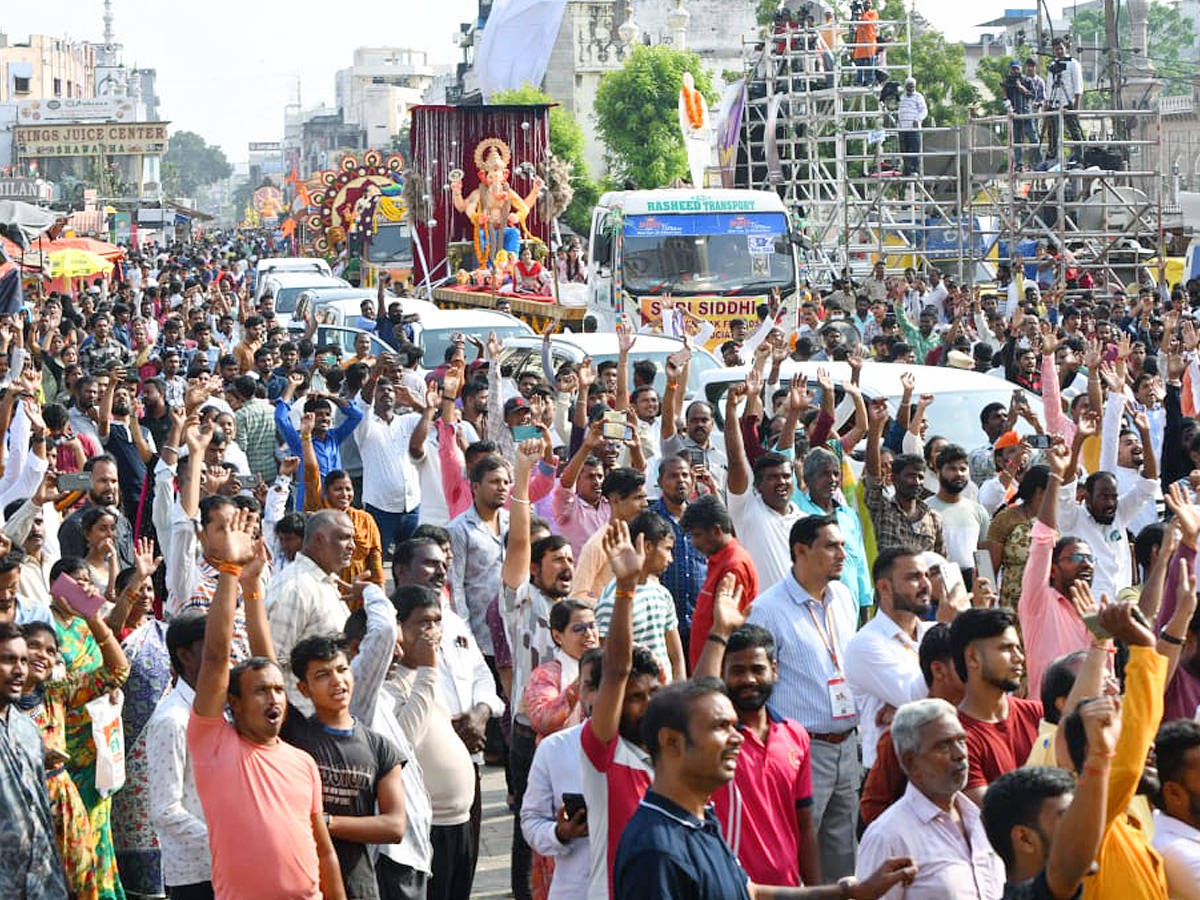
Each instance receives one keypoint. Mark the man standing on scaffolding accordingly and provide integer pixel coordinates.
(909, 115)
(866, 33)
(1066, 90)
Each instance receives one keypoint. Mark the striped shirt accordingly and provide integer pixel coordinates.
(798, 622)
(653, 616)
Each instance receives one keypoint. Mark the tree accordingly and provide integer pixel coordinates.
(566, 144)
(637, 114)
(191, 163)
(1170, 36)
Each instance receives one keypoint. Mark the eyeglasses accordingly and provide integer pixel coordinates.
(583, 627)
(1082, 558)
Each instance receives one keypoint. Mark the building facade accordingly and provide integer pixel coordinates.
(378, 90)
(45, 67)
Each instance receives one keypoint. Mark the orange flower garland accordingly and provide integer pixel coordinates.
(692, 102)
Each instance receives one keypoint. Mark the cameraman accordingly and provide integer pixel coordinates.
(1019, 92)
(866, 32)
(1066, 90)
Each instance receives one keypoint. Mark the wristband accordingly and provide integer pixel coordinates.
(1164, 635)
(623, 595)
(717, 639)
(518, 500)
(228, 568)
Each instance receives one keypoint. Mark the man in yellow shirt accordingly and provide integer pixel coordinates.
(1128, 867)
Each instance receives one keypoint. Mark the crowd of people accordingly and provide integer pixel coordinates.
(265, 613)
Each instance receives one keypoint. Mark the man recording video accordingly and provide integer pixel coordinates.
(1019, 92)
(1066, 90)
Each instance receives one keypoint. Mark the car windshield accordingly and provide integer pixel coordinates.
(435, 341)
(286, 297)
(740, 253)
(391, 243)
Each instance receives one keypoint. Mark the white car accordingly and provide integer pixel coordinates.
(960, 394)
(276, 264)
(286, 288)
(525, 354)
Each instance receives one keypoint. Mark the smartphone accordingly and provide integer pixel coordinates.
(73, 481)
(526, 433)
(695, 457)
(984, 568)
(573, 803)
(1039, 441)
(83, 601)
(1093, 623)
(615, 425)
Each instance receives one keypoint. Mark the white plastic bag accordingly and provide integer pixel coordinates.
(109, 736)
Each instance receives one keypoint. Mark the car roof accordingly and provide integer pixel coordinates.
(312, 279)
(294, 262)
(460, 319)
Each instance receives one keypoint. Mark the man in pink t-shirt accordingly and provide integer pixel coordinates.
(261, 797)
(616, 767)
(1050, 623)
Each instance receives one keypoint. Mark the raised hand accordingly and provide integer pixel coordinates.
(1083, 600)
(290, 466)
(494, 346)
(587, 374)
(738, 391)
(307, 422)
(625, 558)
(825, 380)
(452, 381)
(1119, 621)
(1102, 725)
(236, 546)
(1187, 516)
(625, 339)
(877, 413)
(1050, 341)
(530, 451)
(1093, 355)
(1058, 457)
(908, 381)
(144, 559)
(728, 615)
(799, 396)
(754, 382)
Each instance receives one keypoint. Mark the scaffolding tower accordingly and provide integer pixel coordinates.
(1100, 215)
(830, 147)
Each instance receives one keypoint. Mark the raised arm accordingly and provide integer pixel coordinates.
(515, 571)
(228, 552)
(625, 341)
(737, 479)
(626, 560)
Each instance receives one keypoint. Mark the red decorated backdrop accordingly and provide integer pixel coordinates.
(444, 138)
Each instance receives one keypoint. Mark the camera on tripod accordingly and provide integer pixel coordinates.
(1058, 66)
(856, 9)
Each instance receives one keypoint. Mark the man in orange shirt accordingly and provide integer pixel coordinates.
(866, 32)
(248, 780)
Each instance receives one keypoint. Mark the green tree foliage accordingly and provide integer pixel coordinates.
(191, 163)
(992, 71)
(637, 114)
(1170, 36)
(566, 143)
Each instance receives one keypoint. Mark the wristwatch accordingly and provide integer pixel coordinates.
(327, 817)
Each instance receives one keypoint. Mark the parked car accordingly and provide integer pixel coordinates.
(525, 353)
(286, 288)
(276, 264)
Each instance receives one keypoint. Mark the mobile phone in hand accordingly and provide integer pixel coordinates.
(79, 598)
(573, 804)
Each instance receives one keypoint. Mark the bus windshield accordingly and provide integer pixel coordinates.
(391, 244)
(725, 253)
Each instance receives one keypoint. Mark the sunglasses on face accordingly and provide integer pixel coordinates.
(1079, 558)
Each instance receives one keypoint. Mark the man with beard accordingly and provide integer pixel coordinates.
(673, 847)
(883, 665)
(903, 520)
(766, 811)
(534, 578)
(616, 767)
(249, 781)
(1001, 729)
(697, 438)
(391, 446)
(934, 823)
(125, 439)
(823, 480)
(1050, 621)
(1107, 513)
(684, 576)
(1131, 455)
(82, 414)
(105, 491)
(812, 617)
(1177, 831)
(476, 538)
(29, 863)
(964, 522)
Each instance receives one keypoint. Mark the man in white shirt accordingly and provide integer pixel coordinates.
(883, 665)
(305, 600)
(389, 445)
(1065, 91)
(1177, 824)
(964, 522)
(175, 810)
(910, 113)
(551, 828)
(934, 822)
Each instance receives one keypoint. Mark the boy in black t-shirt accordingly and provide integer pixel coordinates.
(359, 768)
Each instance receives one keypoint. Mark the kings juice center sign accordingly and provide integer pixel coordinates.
(110, 139)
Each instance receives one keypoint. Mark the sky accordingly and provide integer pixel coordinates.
(227, 69)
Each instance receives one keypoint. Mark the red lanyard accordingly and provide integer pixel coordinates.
(830, 640)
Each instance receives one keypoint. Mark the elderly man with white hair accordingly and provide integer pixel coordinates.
(934, 822)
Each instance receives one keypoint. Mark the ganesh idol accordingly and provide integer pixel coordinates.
(496, 211)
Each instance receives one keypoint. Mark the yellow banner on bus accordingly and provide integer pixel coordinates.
(717, 310)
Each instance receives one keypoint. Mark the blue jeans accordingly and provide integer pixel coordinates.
(394, 528)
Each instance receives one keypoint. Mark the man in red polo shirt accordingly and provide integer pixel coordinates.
(616, 768)
(1000, 728)
(706, 522)
(766, 810)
